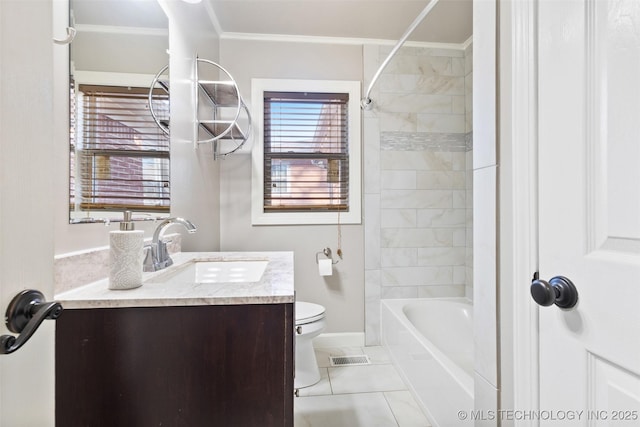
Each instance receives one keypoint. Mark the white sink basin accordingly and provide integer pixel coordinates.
(206, 271)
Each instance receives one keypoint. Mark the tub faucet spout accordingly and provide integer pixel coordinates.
(156, 253)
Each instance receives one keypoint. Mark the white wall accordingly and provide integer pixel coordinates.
(485, 181)
(343, 293)
(26, 201)
(194, 173)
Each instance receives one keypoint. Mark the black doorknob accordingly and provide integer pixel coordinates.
(25, 313)
(558, 290)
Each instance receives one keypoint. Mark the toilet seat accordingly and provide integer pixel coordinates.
(307, 312)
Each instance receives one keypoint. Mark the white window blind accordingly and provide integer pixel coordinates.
(306, 152)
(121, 155)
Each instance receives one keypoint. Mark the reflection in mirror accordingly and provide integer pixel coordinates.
(119, 157)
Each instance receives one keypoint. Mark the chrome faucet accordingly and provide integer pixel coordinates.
(156, 253)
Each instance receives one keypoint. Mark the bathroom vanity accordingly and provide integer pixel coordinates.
(181, 350)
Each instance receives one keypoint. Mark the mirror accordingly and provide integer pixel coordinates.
(119, 157)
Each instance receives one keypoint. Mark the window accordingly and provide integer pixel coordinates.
(307, 155)
(119, 156)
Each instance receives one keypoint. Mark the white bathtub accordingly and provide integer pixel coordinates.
(431, 343)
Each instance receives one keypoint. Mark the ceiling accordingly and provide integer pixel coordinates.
(450, 21)
(118, 13)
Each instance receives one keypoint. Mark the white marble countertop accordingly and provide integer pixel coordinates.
(274, 287)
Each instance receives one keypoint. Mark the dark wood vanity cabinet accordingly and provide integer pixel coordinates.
(192, 366)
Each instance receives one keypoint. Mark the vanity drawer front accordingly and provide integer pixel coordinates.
(226, 365)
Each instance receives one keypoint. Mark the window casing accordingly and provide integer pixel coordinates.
(119, 156)
(307, 154)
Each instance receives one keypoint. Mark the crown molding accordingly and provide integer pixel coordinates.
(110, 29)
(338, 40)
(468, 42)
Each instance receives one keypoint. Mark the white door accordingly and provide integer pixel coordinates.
(26, 203)
(589, 201)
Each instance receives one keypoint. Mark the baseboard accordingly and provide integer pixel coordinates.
(339, 339)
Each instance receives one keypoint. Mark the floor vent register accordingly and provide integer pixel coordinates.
(358, 360)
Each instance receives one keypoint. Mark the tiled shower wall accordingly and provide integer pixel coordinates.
(418, 178)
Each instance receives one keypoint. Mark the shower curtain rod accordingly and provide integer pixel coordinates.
(366, 103)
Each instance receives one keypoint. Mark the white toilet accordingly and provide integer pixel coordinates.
(309, 324)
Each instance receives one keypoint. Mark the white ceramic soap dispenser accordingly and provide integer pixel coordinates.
(125, 255)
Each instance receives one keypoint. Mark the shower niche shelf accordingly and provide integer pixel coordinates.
(222, 117)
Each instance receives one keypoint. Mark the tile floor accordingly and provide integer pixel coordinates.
(357, 396)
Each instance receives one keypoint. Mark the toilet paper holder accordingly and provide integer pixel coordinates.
(327, 253)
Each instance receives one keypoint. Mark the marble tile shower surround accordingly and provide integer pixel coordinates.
(418, 182)
(423, 219)
(419, 141)
(77, 269)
